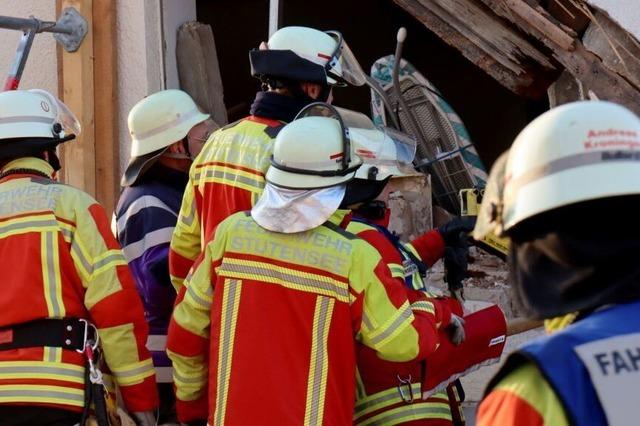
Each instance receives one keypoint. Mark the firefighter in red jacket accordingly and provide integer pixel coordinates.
(390, 392)
(282, 293)
(297, 66)
(66, 284)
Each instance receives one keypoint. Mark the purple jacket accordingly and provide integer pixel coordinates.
(145, 217)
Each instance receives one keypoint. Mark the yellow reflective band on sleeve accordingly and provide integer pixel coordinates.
(416, 411)
(41, 394)
(319, 363)
(402, 318)
(412, 249)
(134, 374)
(242, 179)
(107, 261)
(423, 306)
(67, 230)
(286, 277)
(50, 261)
(230, 306)
(190, 375)
(198, 298)
(397, 271)
(10, 370)
(190, 217)
(369, 404)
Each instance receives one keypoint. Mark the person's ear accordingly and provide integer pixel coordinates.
(312, 90)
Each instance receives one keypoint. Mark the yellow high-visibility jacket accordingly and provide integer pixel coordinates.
(226, 177)
(269, 321)
(59, 260)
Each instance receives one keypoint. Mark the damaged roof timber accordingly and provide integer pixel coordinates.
(487, 41)
(524, 48)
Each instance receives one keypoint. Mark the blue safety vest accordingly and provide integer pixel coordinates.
(593, 366)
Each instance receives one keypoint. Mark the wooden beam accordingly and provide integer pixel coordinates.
(487, 41)
(618, 49)
(584, 65)
(107, 161)
(88, 85)
(606, 84)
(544, 26)
(78, 156)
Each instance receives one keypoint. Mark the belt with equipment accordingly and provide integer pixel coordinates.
(67, 333)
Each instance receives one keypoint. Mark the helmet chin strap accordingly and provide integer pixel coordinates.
(53, 160)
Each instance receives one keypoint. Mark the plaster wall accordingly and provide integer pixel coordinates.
(140, 64)
(174, 14)
(625, 12)
(41, 70)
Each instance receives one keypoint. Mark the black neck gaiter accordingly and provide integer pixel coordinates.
(590, 260)
(278, 107)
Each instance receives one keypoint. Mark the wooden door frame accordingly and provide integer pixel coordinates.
(87, 82)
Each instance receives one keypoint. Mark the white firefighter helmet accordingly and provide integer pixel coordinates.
(162, 119)
(35, 114)
(307, 54)
(312, 161)
(313, 151)
(576, 152)
(155, 123)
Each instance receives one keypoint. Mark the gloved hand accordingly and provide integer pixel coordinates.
(454, 233)
(144, 418)
(456, 330)
(455, 265)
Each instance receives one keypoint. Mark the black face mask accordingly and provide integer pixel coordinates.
(581, 263)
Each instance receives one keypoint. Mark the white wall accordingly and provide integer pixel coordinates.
(174, 14)
(140, 70)
(146, 53)
(625, 12)
(41, 70)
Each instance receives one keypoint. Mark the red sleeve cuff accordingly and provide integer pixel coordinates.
(141, 397)
(430, 247)
(443, 312)
(192, 410)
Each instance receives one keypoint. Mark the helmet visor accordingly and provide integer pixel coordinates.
(389, 151)
(490, 217)
(63, 115)
(343, 65)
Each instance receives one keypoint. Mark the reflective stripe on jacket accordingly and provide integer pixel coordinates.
(389, 392)
(592, 366)
(278, 314)
(59, 259)
(227, 177)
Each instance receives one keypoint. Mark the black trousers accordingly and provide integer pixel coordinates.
(34, 415)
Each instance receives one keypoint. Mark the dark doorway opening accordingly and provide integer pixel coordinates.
(492, 114)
